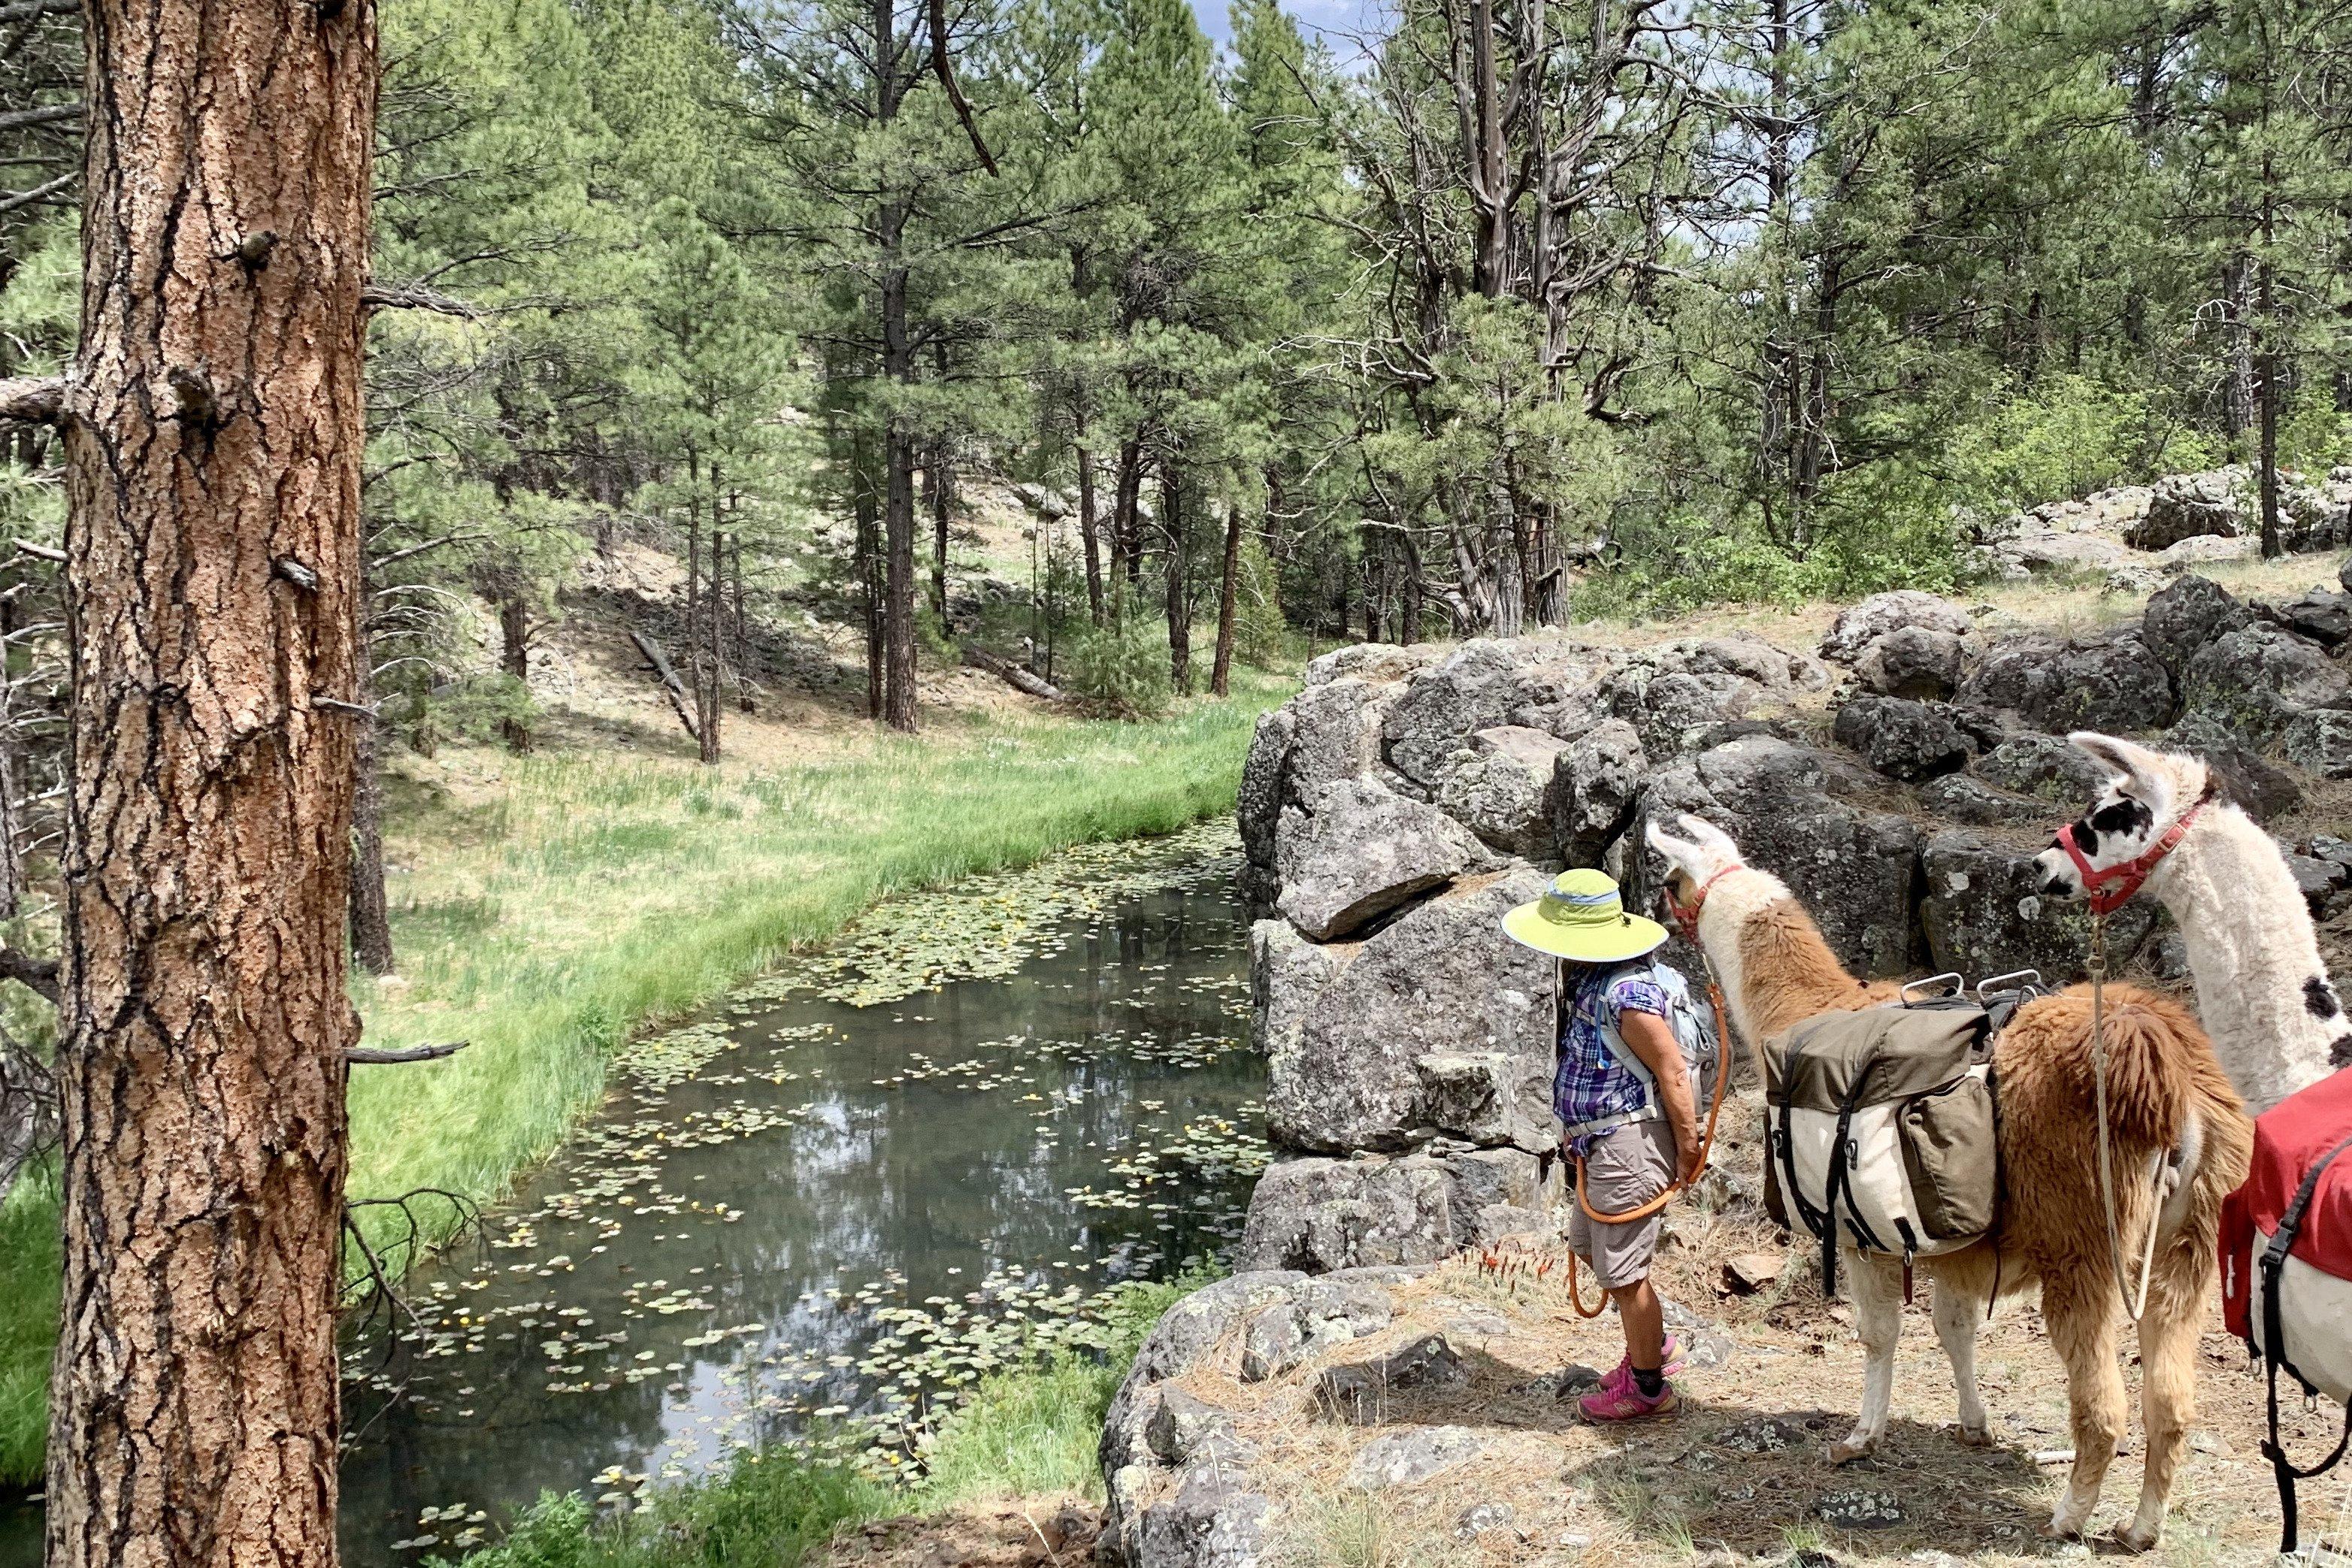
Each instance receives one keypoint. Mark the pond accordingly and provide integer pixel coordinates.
(836, 1199)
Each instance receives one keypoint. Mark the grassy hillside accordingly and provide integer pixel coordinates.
(548, 905)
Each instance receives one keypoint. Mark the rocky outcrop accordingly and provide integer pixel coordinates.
(2179, 522)
(1399, 803)
(1351, 850)
(1177, 1481)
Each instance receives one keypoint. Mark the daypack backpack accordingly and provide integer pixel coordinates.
(1881, 1124)
(1703, 1054)
(2286, 1262)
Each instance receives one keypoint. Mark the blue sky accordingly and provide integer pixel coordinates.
(1337, 18)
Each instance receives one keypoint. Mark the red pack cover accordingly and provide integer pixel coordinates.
(2289, 1139)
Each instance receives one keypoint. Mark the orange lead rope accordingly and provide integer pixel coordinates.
(1705, 1147)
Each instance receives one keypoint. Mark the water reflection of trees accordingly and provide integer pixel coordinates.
(923, 1178)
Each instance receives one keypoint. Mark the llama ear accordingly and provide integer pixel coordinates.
(1677, 851)
(2142, 770)
(1707, 835)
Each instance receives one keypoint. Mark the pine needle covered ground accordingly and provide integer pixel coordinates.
(548, 905)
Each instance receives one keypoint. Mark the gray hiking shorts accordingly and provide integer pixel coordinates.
(1625, 1168)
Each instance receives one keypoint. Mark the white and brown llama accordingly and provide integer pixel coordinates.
(2171, 1115)
(2262, 991)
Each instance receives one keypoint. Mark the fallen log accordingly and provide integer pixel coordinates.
(1018, 676)
(658, 662)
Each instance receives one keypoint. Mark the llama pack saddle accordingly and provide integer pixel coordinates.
(2286, 1262)
(1881, 1122)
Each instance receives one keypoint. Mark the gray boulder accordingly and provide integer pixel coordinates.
(1349, 1305)
(1286, 972)
(1859, 625)
(1335, 734)
(2044, 767)
(1902, 738)
(1984, 913)
(1360, 1392)
(1924, 663)
(1473, 689)
(1353, 850)
(2186, 506)
(2255, 680)
(2109, 681)
(2320, 739)
(1325, 1214)
(1956, 797)
(1594, 786)
(1376, 662)
(1273, 1345)
(2264, 789)
(1803, 814)
(2188, 614)
(1213, 1520)
(2203, 549)
(1501, 791)
(1415, 1455)
(2322, 614)
(1258, 808)
(1442, 980)
(1182, 1421)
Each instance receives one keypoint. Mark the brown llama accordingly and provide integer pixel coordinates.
(2180, 1143)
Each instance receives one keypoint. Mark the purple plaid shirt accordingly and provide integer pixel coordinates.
(1590, 1082)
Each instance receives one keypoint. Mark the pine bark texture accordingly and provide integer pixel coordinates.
(214, 428)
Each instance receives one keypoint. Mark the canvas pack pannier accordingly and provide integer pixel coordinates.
(2286, 1262)
(1880, 1128)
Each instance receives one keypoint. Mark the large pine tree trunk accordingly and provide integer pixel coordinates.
(215, 429)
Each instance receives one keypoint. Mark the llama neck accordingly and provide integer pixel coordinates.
(2260, 987)
(1776, 968)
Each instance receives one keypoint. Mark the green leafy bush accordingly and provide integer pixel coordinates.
(1122, 664)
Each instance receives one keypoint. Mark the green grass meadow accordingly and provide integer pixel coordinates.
(586, 894)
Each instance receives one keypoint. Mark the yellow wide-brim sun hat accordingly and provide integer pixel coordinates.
(1582, 917)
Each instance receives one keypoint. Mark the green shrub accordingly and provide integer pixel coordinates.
(1122, 664)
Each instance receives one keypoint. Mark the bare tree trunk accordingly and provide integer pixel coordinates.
(899, 579)
(514, 660)
(710, 659)
(743, 698)
(939, 480)
(1179, 605)
(1228, 586)
(12, 825)
(216, 431)
(370, 911)
(1126, 516)
(870, 581)
(2238, 395)
(1088, 536)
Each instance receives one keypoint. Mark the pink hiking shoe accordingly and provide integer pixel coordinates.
(1619, 1398)
(1670, 1360)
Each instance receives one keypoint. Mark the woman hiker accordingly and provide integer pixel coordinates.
(1623, 1091)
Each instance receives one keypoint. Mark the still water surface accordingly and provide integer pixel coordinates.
(777, 1210)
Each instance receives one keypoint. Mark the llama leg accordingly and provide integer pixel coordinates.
(2168, 1355)
(1878, 1284)
(2083, 1329)
(1957, 1312)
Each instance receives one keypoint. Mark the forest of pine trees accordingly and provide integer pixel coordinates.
(1427, 331)
(382, 318)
